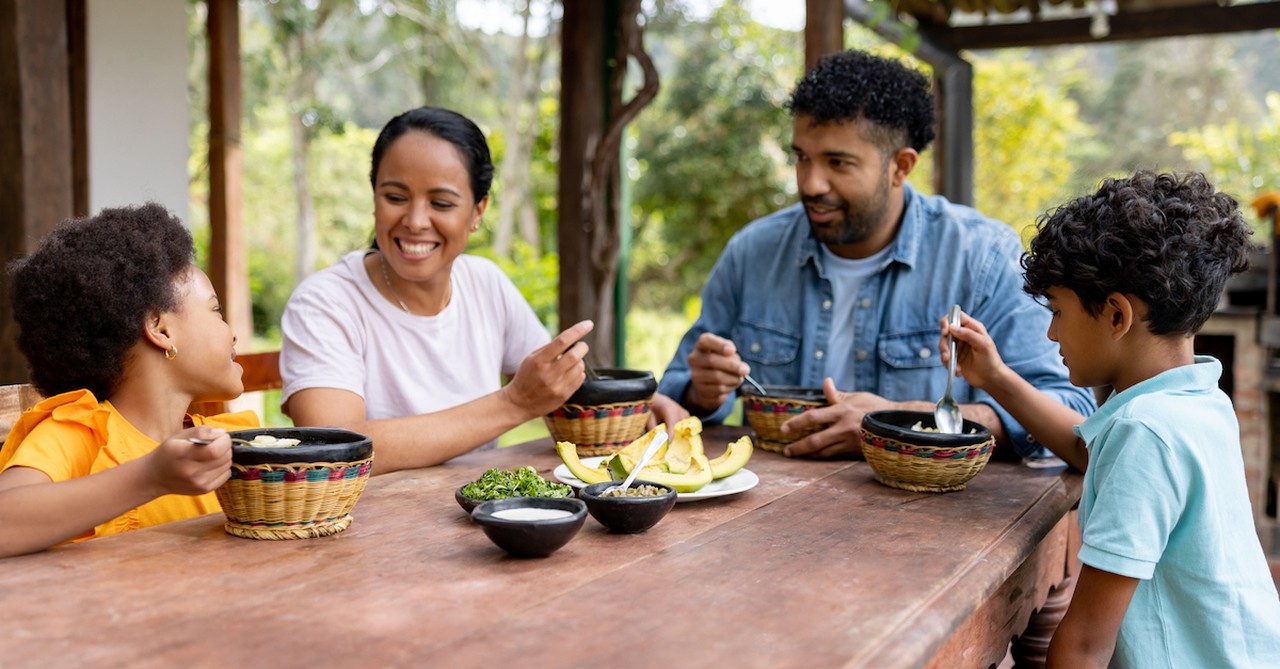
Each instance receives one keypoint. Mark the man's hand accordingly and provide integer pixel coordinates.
(715, 371)
(841, 435)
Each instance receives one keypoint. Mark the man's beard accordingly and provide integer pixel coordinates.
(852, 227)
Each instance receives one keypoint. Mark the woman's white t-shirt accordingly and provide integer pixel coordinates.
(339, 332)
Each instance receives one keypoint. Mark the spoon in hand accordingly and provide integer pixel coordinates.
(947, 414)
(205, 442)
(658, 440)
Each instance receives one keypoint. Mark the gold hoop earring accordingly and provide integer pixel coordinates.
(172, 352)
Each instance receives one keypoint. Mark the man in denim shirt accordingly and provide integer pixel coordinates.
(846, 289)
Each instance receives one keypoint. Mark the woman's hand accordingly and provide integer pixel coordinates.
(179, 467)
(549, 375)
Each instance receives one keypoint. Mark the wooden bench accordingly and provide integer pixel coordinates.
(15, 399)
(261, 372)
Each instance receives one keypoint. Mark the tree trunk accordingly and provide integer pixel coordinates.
(305, 218)
(515, 163)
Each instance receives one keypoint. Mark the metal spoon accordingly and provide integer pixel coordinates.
(759, 388)
(947, 414)
(658, 440)
(205, 442)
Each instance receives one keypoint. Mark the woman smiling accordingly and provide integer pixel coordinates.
(407, 341)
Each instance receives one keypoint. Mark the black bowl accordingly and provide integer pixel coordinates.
(615, 385)
(318, 444)
(897, 425)
(530, 538)
(801, 393)
(469, 504)
(627, 515)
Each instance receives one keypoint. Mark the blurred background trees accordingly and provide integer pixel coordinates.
(710, 154)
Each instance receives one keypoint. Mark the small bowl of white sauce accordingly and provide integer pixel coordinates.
(531, 526)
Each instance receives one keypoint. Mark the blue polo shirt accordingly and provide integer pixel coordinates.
(771, 294)
(1165, 501)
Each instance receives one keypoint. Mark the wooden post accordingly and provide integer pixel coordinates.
(36, 165)
(228, 261)
(823, 29)
(953, 152)
(582, 120)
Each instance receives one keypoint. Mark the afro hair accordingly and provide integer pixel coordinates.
(82, 298)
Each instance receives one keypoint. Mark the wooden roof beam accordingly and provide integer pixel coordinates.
(1175, 22)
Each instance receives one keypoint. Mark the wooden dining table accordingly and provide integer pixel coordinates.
(818, 565)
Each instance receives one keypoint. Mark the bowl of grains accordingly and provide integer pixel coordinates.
(631, 510)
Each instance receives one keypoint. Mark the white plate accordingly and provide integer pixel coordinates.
(741, 480)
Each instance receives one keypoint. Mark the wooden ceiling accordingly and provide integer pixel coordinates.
(993, 24)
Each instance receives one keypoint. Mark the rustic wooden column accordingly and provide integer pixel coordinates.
(823, 29)
(36, 164)
(582, 120)
(953, 152)
(228, 262)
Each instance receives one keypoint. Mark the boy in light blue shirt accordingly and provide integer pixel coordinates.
(1173, 574)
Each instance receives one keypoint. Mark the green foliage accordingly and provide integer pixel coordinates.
(1240, 159)
(1150, 90)
(342, 199)
(710, 153)
(1025, 129)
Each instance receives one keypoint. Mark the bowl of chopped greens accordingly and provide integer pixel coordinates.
(502, 483)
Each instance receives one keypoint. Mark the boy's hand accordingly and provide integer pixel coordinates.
(179, 467)
(977, 359)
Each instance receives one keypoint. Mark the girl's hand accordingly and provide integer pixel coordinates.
(179, 467)
(549, 375)
(977, 359)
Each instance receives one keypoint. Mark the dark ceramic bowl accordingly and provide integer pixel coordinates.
(530, 538)
(766, 413)
(469, 504)
(615, 385)
(627, 515)
(798, 393)
(318, 444)
(923, 460)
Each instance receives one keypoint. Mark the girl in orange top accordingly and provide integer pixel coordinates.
(122, 333)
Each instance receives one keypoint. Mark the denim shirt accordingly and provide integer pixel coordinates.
(768, 293)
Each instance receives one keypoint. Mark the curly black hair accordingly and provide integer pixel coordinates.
(82, 298)
(853, 85)
(1170, 240)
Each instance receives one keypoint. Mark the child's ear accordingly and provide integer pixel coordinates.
(156, 330)
(1118, 314)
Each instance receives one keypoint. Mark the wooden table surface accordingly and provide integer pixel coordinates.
(817, 566)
